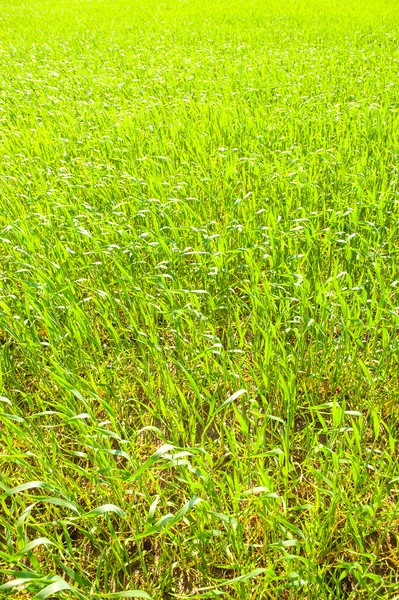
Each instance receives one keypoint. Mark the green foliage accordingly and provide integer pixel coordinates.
(199, 304)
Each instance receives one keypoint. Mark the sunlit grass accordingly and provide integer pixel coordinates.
(199, 302)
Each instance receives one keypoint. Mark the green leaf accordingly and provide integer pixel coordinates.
(56, 502)
(245, 577)
(153, 458)
(42, 541)
(231, 399)
(239, 579)
(5, 400)
(102, 510)
(52, 589)
(26, 486)
(127, 594)
(24, 578)
(260, 489)
(167, 521)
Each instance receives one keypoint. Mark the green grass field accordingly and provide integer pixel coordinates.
(199, 308)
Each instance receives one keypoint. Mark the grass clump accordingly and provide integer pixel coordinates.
(199, 299)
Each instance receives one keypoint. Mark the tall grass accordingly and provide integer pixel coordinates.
(199, 299)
